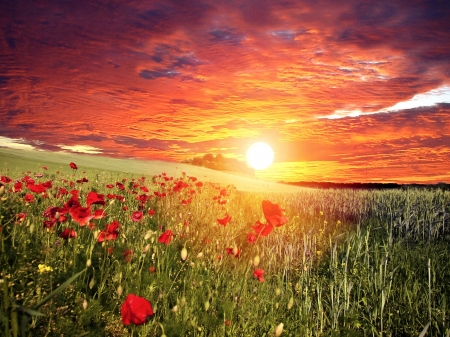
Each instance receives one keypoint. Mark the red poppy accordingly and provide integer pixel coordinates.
(262, 229)
(68, 233)
(18, 186)
(251, 237)
(28, 197)
(21, 216)
(224, 221)
(95, 198)
(152, 269)
(137, 216)
(73, 166)
(259, 274)
(231, 251)
(151, 212)
(45, 167)
(109, 186)
(128, 255)
(273, 213)
(5, 179)
(47, 184)
(136, 310)
(82, 215)
(120, 186)
(73, 202)
(99, 214)
(166, 237)
(111, 232)
(38, 175)
(39, 188)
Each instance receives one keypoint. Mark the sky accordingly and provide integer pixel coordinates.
(343, 91)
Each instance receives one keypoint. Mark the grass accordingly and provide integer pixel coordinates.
(353, 263)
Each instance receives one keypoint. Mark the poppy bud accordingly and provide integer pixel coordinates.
(278, 291)
(2, 190)
(183, 301)
(175, 309)
(200, 255)
(146, 249)
(85, 305)
(57, 215)
(184, 253)
(119, 290)
(92, 283)
(256, 260)
(88, 263)
(206, 305)
(235, 250)
(291, 303)
(279, 329)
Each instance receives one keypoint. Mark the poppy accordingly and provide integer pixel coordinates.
(166, 237)
(45, 167)
(5, 179)
(251, 237)
(39, 188)
(18, 186)
(273, 213)
(28, 197)
(68, 233)
(109, 186)
(136, 310)
(128, 255)
(224, 221)
(262, 229)
(111, 232)
(21, 216)
(99, 214)
(259, 274)
(95, 198)
(82, 215)
(137, 216)
(151, 212)
(73, 166)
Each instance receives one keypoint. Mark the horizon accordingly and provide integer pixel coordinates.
(359, 93)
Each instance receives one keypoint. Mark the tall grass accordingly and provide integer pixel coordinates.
(352, 263)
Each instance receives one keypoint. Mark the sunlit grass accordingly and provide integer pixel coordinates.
(346, 263)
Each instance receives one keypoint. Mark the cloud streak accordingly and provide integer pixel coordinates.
(164, 80)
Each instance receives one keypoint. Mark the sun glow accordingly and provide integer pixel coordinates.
(259, 156)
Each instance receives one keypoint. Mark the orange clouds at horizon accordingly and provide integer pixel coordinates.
(161, 80)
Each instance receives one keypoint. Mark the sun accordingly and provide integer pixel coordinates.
(260, 155)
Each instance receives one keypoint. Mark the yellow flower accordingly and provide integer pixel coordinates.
(42, 268)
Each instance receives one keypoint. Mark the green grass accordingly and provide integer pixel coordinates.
(347, 263)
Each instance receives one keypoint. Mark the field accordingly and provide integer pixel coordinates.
(240, 258)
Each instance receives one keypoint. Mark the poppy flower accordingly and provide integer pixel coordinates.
(94, 198)
(233, 251)
(28, 197)
(136, 310)
(82, 215)
(224, 221)
(262, 229)
(137, 216)
(109, 186)
(18, 186)
(39, 188)
(166, 237)
(151, 212)
(273, 213)
(259, 274)
(45, 167)
(128, 255)
(5, 179)
(251, 237)
(73, 166)
(99, 214)
(21, 216)
(111, 232)
(68, 233)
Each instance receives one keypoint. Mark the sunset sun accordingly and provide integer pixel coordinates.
(259, 156)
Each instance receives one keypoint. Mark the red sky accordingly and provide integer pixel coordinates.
(321, 81)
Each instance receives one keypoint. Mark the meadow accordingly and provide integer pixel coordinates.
(86, 251)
